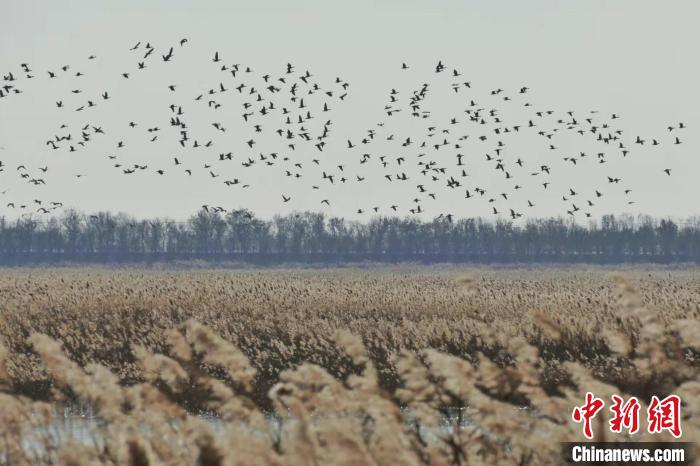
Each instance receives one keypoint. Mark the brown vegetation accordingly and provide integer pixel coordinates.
(360, 365)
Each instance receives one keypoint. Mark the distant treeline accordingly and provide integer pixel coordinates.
(315, 238)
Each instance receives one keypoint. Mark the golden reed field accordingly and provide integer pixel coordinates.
(376, 366)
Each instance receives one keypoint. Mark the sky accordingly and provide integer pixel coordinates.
(634, 58)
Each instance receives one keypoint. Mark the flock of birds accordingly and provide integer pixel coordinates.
(294, 110)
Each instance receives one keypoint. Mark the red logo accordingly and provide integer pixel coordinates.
(586, 412)
(662, 415)
(625, 415)
(665, 415)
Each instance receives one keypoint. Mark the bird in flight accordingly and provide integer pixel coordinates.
(273, 121)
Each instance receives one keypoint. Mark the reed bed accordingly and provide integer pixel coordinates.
(361, 366)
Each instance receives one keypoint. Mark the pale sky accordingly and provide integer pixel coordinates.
(634, 58)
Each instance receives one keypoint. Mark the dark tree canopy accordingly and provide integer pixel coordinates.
(308, 237)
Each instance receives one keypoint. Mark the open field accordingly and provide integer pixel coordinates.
(348, 352)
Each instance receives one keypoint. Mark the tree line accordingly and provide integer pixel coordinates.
(310, 237)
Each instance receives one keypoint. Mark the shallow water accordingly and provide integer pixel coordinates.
(80, 425)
